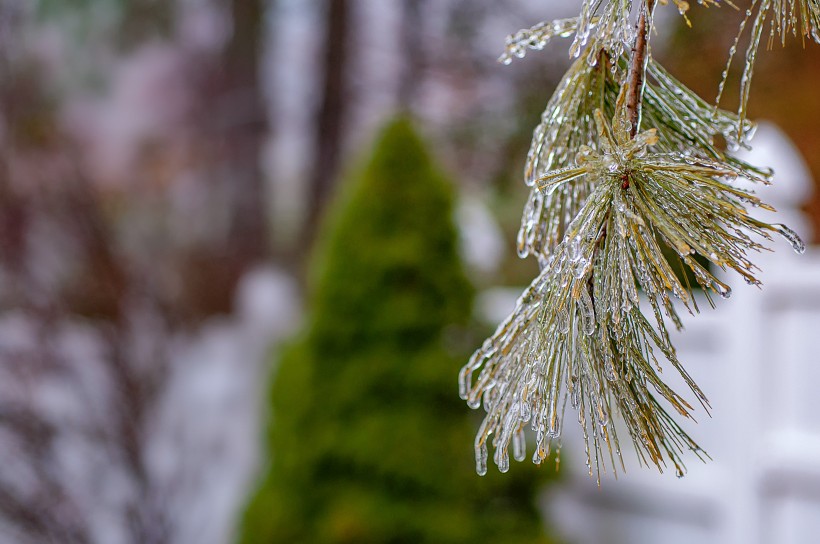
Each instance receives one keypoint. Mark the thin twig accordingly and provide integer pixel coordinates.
(637, 69)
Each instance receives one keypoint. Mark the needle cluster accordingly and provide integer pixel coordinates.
(614, 215)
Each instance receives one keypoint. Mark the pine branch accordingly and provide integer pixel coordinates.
(613, 212)
(637, 69)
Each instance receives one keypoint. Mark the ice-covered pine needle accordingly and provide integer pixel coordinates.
(685, 124)
(602, 24)
(795, 17)
(578, 336)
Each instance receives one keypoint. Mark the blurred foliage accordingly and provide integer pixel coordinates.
(54, 8)
(369, 441)
(129, 23)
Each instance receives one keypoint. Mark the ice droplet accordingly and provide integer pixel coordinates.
(752, 281)
(576, 397)
(519, 443)
(521, 243)
(610, 371)
(610, 163)
(587, 312)
(723, 290)
(603, 417)
(503, 461)
(792, 237)
(562, 321)
(583, 155)
(554, 430)
(579, 268)
(574, 249)
(481, 456)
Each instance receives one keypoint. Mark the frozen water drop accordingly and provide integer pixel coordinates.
(521, 247)
(603, 416)
(579, 268)
(583, 155)
(792, 237)
(752, 281)
(503, 461)
(610, 163)
(519, 445)
(722, 289)
(554, 430)
(587, 312)
(481, 456)
(610, 371)
(574, 249)
(725, 293)
(562, 321)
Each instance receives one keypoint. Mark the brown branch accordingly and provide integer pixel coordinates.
(637, 69)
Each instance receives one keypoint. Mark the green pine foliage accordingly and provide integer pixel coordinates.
(368, 441)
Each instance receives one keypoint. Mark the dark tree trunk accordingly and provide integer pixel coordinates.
(412, 39)
(232, 121)
(246, 125)
(330, 117)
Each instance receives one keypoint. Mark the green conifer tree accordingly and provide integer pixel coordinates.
(367, 439)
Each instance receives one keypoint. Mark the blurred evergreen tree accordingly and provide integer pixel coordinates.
(369, 441)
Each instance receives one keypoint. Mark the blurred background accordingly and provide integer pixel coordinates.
(246, 245)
